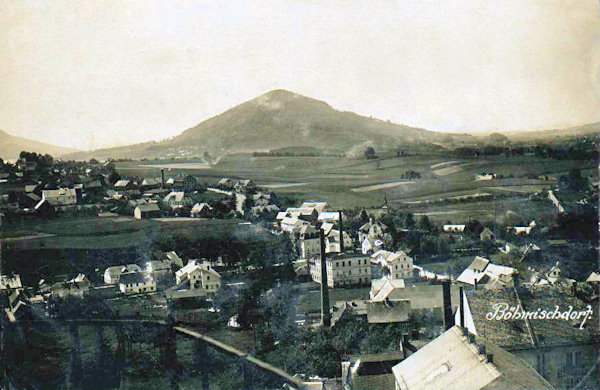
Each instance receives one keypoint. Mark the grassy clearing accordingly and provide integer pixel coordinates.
(107, 233)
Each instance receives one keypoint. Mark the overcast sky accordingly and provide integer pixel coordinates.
(90, 74)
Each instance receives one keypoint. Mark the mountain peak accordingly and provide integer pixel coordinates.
(278, 99)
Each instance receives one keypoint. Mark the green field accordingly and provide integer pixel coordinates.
(118, 232)
(347, 183)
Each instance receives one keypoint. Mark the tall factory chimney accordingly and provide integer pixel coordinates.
(341, 233)
(325, 314)
(162, 177)
(448, 320)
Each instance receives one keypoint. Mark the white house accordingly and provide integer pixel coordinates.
(524, 230)
(201, 210)
(399, 264)
(113, 274)
(332, 241)
(453, 228)
(372, 229)
(309, 242)
(149, 210)
(370, 245)
(485, 177)
(137, 283)
(343, 269)
(201, 277)
(177, 199)
(481, 271)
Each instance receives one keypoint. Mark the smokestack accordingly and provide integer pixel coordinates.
(162, 176)
(325, 314)
(462, 308)
(475, 284)
(448, 323)
(341, 233)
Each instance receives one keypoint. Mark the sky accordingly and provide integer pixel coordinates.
(91, 74)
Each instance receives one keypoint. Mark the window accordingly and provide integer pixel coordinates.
(349, 263)
(343, 263)
(574, 359)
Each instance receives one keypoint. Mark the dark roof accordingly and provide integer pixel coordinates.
(145, 208)
(514, 333)
(134, 277)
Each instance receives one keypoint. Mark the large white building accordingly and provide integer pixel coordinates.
(343, 269)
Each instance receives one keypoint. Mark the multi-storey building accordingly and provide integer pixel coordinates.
(343, 269)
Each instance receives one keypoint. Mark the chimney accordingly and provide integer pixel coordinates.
(162, 176)
(475, 283)
(448, 323)
(325, 314)
(461, 308)
(481, 349)
(341, 233)
(490, 358)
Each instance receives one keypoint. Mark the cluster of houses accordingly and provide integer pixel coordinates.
(168, 275)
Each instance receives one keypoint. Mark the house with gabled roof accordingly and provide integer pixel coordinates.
(554, 331)
(399, 264)
(481, 271)
(201, 277)
(226, 182)
(113, 274)
(457, 361)
(137, 283)
(150, 210)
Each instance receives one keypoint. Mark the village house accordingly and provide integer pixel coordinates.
(145, 211)
(60, 199)
(245, 187)
(399, 264)
(174, 259)
(202, 278)
(225, 182)
(552, 275)
(343, 269)
(201, 210)
(123, 184)
(319, 205)
(177, 199)
(372, 229)
(308, 243)
(370, 245)
(562, 350)
(328, 216)
(113, 274)
(487, 235)
(159, 268)
(524, 230)
(262, 199)
(485, 177)
(453, 228)
(593, 278)
(332, 241)
(457, 361)
(10, 283)
(79, 286)
(483, 272)
(150, 183)
(137, 283)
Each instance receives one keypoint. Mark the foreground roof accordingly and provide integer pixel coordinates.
(454, 362)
